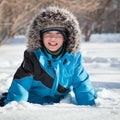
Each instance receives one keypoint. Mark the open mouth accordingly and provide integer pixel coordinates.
(52, 44)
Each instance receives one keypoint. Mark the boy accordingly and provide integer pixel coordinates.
(52, 62)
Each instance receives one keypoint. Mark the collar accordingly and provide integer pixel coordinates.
(56, 54)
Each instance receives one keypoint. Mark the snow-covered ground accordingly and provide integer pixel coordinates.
(101, 58)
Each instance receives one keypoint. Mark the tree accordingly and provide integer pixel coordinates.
(93, 15)
(5, 20)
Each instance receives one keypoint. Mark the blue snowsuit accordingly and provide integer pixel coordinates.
(44, 79)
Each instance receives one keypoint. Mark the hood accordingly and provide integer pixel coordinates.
(54, 17)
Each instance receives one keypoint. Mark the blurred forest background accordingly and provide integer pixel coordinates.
(95, 16)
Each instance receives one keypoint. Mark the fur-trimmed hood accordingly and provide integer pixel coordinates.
(54, 17)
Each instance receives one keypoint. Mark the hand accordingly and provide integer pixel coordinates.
(2, 98)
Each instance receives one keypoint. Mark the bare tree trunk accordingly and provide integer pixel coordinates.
(5, 20)
(118, 17)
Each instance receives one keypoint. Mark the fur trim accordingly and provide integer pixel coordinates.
(54, 17)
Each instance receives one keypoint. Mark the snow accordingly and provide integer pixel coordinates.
(101, 58)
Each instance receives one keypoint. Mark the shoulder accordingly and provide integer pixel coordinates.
(34, 55)
(28, 53)
(76, 56)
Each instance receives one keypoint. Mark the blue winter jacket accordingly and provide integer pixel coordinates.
(43, 79)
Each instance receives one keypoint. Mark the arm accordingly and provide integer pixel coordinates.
(82, 86)
(22, 81)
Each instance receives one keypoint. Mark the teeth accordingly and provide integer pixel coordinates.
(53, 44)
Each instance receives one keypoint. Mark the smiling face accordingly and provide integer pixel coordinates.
(53, 40)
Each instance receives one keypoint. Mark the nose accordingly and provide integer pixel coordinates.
(53, 37)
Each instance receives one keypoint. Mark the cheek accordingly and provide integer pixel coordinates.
(45, 42)
(61, 42)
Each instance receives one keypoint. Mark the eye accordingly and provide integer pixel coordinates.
(46, 34)
(59, 34)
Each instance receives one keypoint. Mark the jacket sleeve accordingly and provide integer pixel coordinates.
(82, 86)
(22, 81)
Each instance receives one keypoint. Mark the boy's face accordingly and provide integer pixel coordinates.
(53, 40)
